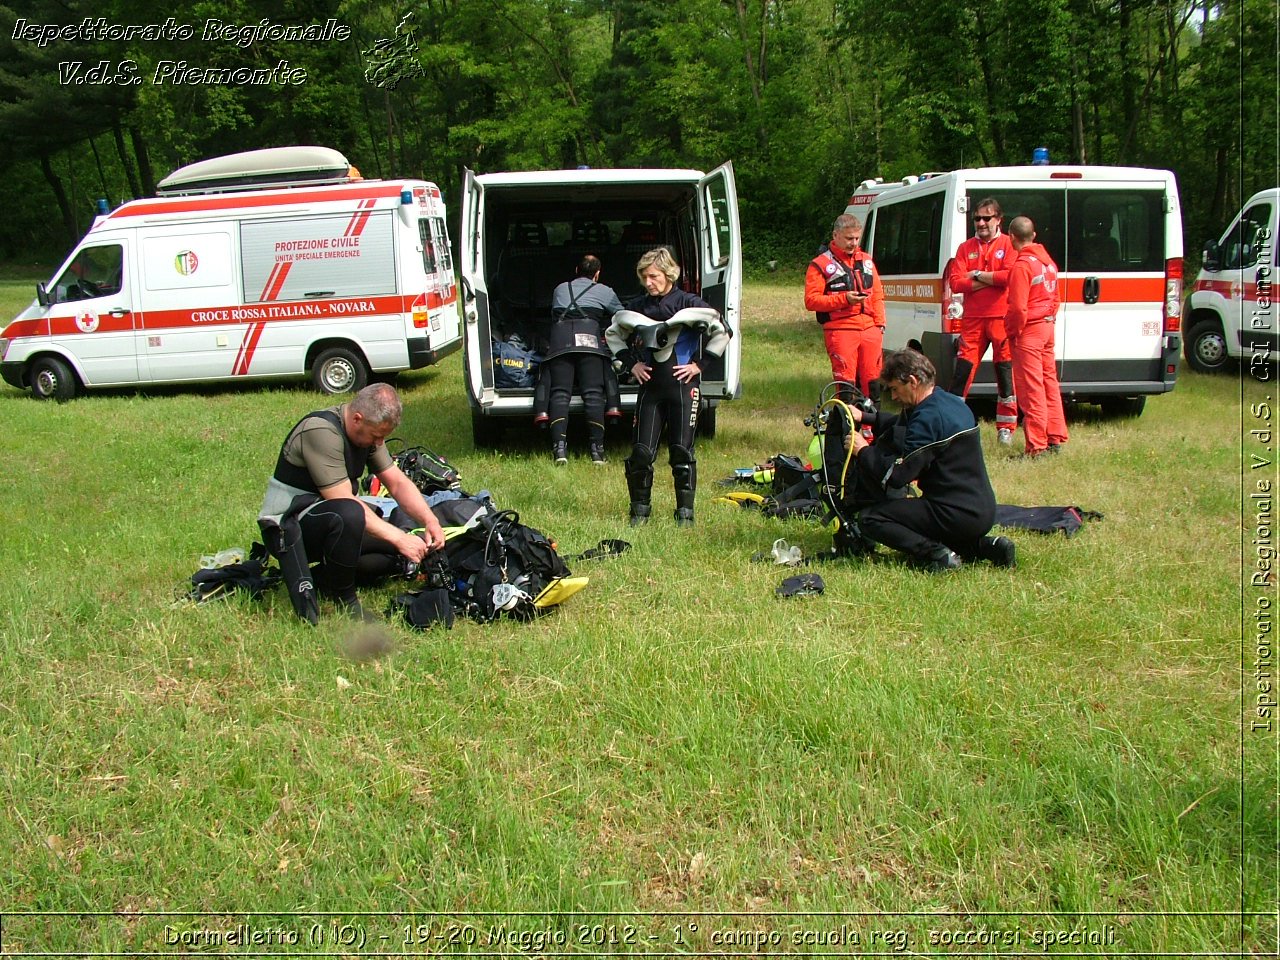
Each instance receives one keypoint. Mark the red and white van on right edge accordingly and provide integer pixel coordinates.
(1231, 315)
(1116, 234)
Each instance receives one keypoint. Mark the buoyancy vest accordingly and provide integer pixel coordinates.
(839, 278)
(299, 477)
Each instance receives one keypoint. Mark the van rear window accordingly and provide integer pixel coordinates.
(434, 238)
(1091, 230)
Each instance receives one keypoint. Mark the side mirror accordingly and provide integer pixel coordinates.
(1212, 257)
(42, 295)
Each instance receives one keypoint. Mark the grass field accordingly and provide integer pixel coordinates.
(676, 761)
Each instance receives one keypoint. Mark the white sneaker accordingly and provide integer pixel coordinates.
(1004, 437)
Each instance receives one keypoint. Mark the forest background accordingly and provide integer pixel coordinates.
(806, 97)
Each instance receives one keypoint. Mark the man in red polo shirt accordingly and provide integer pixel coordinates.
(842, 286)
(980, 271)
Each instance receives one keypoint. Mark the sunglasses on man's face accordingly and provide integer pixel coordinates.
(979, 219)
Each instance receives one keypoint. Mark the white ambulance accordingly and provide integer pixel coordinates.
(523, 234)
(1232, 313)
(272, 264)
(1116, 234)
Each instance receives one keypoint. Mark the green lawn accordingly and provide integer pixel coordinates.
(675, 760)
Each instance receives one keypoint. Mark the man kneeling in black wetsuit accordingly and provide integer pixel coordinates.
(314, 490)
(934, 441)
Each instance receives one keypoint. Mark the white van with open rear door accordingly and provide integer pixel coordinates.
(1232, 314)
(1116, 235)
(522, 234)
(273, 264)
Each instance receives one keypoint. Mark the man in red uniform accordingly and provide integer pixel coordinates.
(1033, 304)
(980, 271)
(842, 286)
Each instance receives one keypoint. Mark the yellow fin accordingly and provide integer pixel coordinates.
(559, 590)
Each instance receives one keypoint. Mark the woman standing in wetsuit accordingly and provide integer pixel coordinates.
(670, 390)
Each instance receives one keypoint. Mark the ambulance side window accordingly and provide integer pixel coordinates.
(908, 236)
(1243, 245)
(95, 272)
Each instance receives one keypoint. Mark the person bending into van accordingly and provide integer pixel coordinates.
(1033, 305)
(670, 389)
(581, 309)
(314, 485)
(980, 271)
(842, 286)
(933, 442)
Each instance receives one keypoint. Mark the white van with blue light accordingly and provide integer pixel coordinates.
(1115, 233)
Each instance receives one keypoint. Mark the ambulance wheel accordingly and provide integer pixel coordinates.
(339, 370)
(1123, 406)
(1206, 347)
(51, 379)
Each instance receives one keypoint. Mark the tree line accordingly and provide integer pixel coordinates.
(806, 97)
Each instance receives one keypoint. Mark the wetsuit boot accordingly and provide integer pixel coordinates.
(640, 487)
(684, 474)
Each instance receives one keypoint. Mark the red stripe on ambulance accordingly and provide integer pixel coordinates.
(247, 346)
(359, 219)
(275, 280)
(1113, 289)
(241, 201)
(1224, 288)
(278, 312)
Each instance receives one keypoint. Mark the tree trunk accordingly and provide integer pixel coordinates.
(1128, 99)
(1219, 187)
(117, 133)
(753, 71)
(64, 205)
(996, 128)
(1078, 152)
(146, 177)
(102, 176)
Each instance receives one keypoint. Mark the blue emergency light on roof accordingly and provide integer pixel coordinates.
(1040, 157)
(406, 197)
(103, 209)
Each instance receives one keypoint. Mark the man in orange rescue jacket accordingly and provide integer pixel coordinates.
(1033, 305)
(842, 286)
(980, 271)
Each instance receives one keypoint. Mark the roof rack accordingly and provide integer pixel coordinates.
(270, 169)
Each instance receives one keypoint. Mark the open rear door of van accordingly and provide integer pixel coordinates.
(722, 276)
(476, 337)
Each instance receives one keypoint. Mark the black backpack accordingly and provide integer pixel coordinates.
(485, 549)
(496, 550)
(796, 490)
